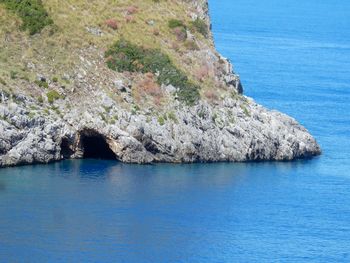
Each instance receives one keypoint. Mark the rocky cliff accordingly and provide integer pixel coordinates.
(163, 95)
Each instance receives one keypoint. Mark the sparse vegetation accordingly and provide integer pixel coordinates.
(135, 109)
(214, 117)
(32, 12)
(103, 117)
(191, 45)
(245, 110)
(200, 26)
(161, 120)
(13, 74)
(201, 114)
(158, 27)
(52, 96)
(180, 33)
(125, 56)
(130, 10)
(211, 95)
(3, 82)
(112, 23)
(178, 28)
(172, 116)
(148, 86)
(56, 110)
(174, 23)
(41, 99)
(107, 109)
(202, 72)
(42, 83)
(31, 114)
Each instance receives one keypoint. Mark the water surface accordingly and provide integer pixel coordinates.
(293, 56)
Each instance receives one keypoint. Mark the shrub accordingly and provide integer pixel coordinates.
(130, 10)
(56, 110)
(52, 96)
(173, 23)
(135, 109)
(31, 114)
(245, 110)
(191, 45)
(40, 99)
(149, 86)
(161, 120)
(112, 23)
(200, 26)
(172, 116)
(125, 56)
(146, 87)
(156, 32)
(175, 46)
(211, 95)
(3, 82)
(42, 84)
(32, 12)
(178, 28)
(214, 117)
(13, 74)
(180, 33)
(202, 72)
(129, 19)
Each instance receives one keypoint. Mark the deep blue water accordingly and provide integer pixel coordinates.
(293, 56)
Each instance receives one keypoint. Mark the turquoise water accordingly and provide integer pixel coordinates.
(293, 56)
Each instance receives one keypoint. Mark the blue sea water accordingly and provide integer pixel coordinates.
(293, 56)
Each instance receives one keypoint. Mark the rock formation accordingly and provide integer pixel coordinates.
(98, 108)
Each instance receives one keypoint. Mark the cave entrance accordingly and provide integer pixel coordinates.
(95, 146)
(66, 151)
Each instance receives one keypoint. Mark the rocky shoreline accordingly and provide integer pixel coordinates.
(237, 130)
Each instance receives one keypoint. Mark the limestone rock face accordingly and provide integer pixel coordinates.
(234, 131)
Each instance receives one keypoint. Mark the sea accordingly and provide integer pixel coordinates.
(292, 56)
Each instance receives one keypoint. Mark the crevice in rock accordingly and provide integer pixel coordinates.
(94, 145)
(66, 151)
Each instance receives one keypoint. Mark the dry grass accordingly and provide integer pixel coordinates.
(143, 22)
(147, 91)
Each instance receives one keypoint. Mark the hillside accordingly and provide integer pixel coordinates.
(138, 81)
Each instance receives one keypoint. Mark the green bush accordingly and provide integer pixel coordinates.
(52, 96)
(40, 99)
(173, 23)
(125, 56)
(191, 45)
(161, 120)
(42, 84)
(32, 12)
(245, 110)
(13, 74)
(3, 82)
(200, 26)
(172, 116)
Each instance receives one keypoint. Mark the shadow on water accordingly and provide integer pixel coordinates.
(2, 186)
(92, 167)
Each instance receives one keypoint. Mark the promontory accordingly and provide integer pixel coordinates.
(137, 81)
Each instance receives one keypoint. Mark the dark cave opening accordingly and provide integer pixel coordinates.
(66, 151)
(95, 146)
